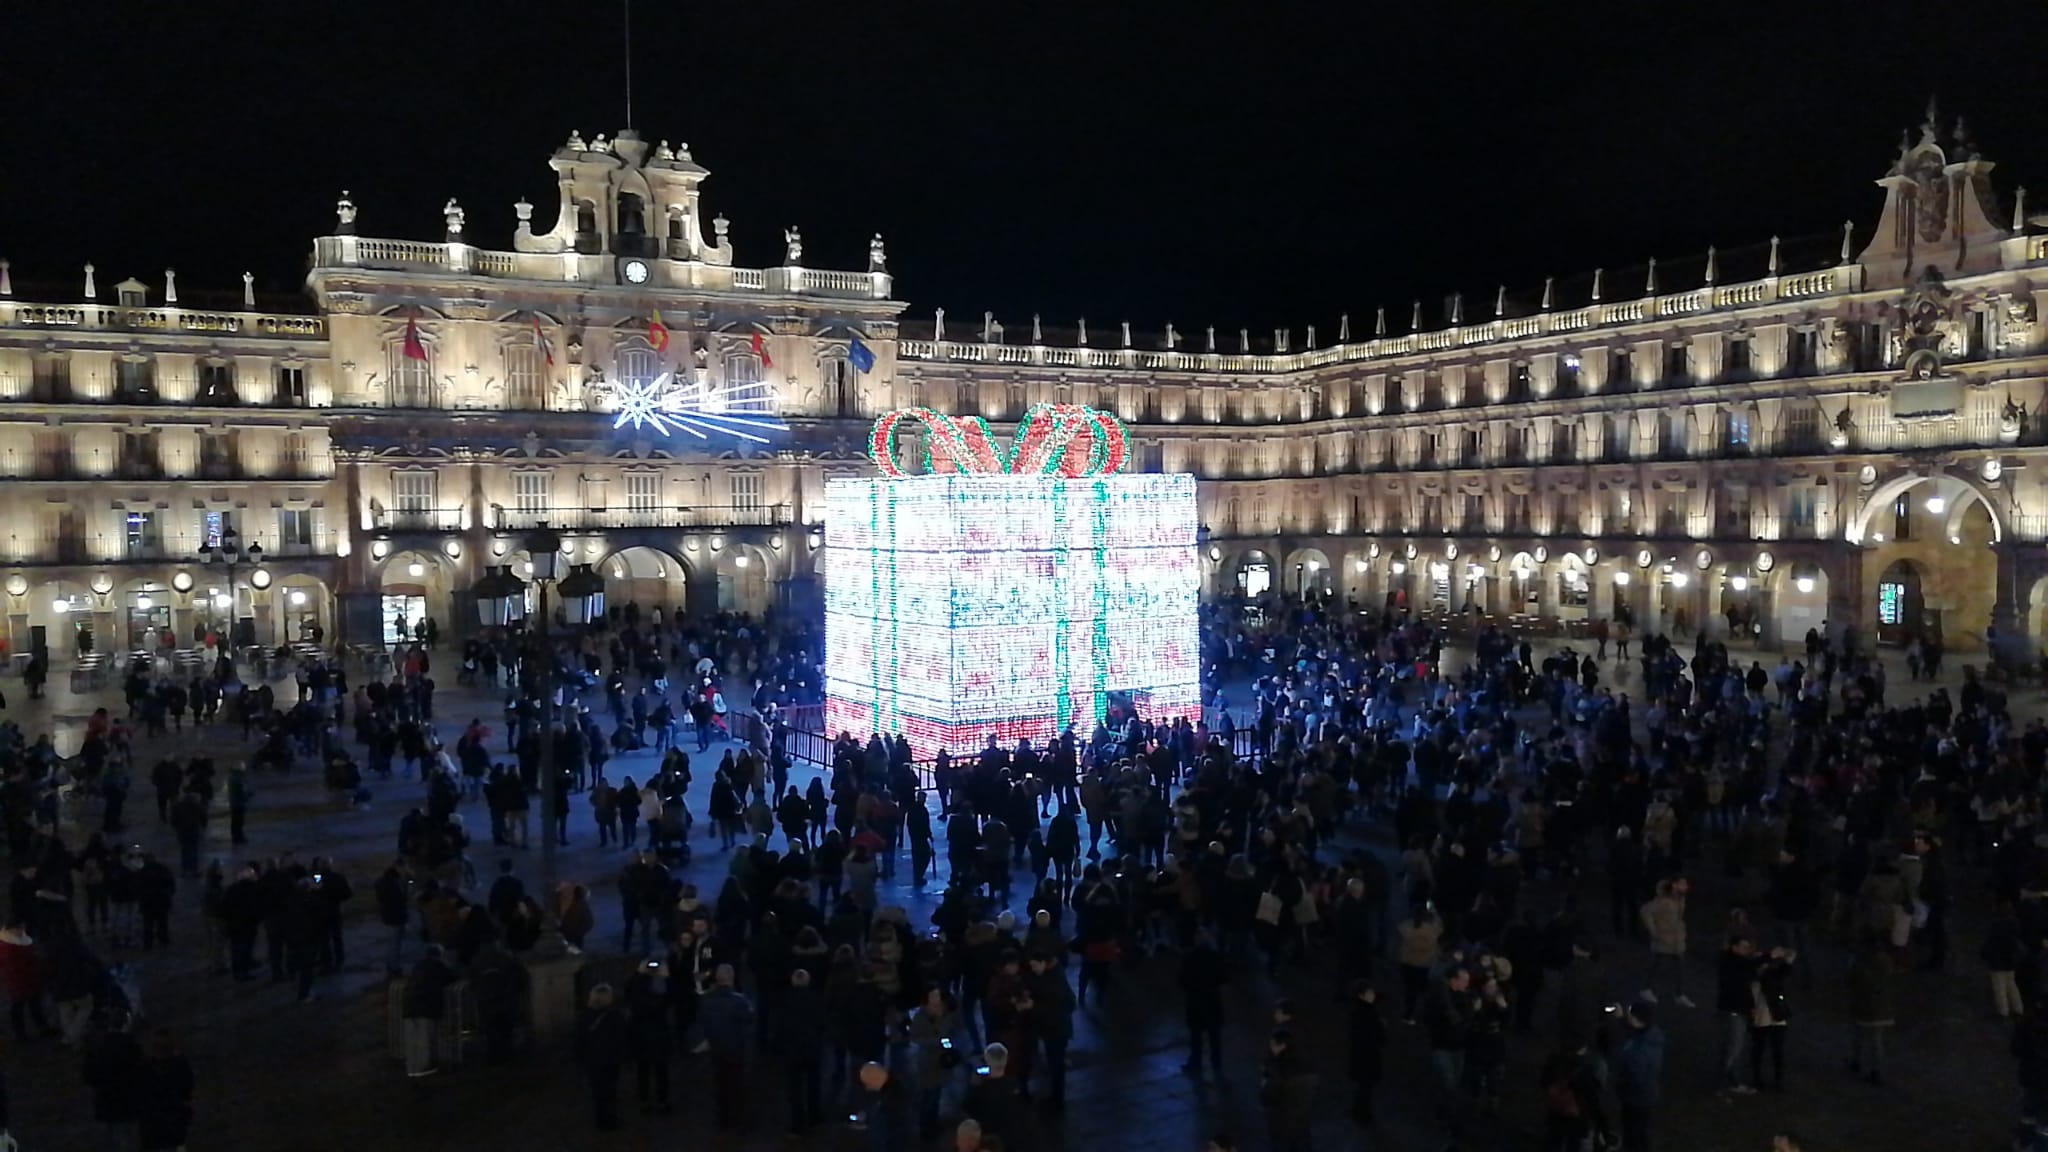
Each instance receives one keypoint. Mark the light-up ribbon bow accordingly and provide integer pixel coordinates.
(1044, 444)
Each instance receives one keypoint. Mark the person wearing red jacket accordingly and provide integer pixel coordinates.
(21, 977)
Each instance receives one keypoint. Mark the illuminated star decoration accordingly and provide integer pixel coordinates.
(668, 407)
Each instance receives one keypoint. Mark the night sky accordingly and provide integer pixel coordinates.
(1227, 163)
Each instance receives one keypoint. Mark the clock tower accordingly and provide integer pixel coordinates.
(623, 198)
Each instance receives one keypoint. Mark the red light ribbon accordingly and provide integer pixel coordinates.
(1044, 445)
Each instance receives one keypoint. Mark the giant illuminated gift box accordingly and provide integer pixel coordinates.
(963, 606)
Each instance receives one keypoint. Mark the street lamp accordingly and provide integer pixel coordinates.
(228, 554)
(501, 603)
(544, 555)
(500, 598)
(582, 596)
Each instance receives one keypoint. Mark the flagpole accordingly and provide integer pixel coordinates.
(629, 62)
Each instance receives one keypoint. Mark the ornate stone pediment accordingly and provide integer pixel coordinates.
(1925, 392)
(1926, 326)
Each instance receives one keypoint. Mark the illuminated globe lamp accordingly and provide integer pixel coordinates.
(1008, 590)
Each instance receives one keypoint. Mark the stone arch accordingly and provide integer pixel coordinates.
(143, 615)
(1799, 597)
(1957, 490)
(414, 584)
(2036, 622)
(1956, 521)
(1305, 570)
(1904, 588)
(68, 614)
(1251, 573)
(1521, 584)
(304, 604)
(1953, 587)
(747, 577)
(643, 578)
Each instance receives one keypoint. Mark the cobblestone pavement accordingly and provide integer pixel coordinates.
(276, 1074)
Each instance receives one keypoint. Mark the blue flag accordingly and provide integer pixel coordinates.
(860, 355)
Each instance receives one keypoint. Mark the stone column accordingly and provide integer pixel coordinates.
(1766, 615)
(701, 589)
(477, 540)
(358, 594)
(2011, 606)
(261, 606)
(1843, 565)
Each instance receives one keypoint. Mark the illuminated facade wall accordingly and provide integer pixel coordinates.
(959, 607)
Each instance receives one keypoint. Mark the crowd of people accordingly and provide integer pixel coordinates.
(1470, 864)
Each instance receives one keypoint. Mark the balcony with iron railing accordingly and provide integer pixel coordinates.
(1732, 525)
(318, 542)
(61, 550)
(417, 520)
(70, 467)
(139, 466)
(569, 519)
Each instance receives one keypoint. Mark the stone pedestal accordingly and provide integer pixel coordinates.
(555, 991)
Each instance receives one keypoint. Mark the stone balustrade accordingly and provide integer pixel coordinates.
(1838, 280)
(341, 252)
(168, 318)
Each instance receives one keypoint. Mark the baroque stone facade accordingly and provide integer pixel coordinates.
(1775, 444)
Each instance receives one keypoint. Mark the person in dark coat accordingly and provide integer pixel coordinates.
(727, 1019)
(422, 1003)
(2030, 1051)
(1795, 897)
(499, 983)
(799, 1042)
(601, 1041)
(1368, 1045)
(996, 1099)
(112, 1059)
(506, 892)
(1052, 1021)
(394, 912)
(1287, 1093)
(163, 1094)
(155, 887)
(302, 931)
(652, 1041)
(1202, 977)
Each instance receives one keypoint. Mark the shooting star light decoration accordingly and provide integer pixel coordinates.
(668, 406)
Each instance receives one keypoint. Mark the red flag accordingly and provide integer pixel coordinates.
(540, 341)
(657, 332)
(414, 350)
(761, 350)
